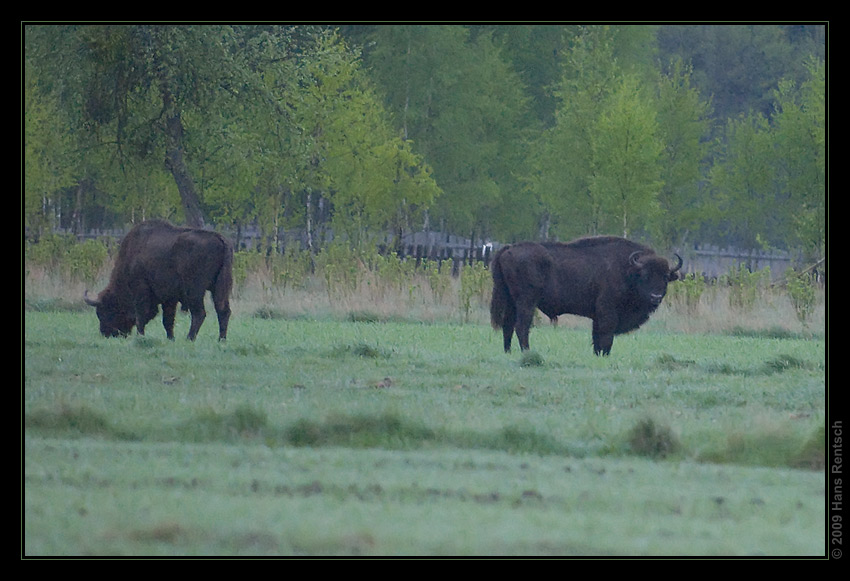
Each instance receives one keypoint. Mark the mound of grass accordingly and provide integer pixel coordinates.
(252, 349)
(531, 359)
(670, 363)
(361, 431)
(364, 317)
(146, 342)
(773, 447)
(649, 438)
(268, 313)
(363, 350)
(516, 440)
(210, 425)
(785, 362)
(80, 420)
(812, 455)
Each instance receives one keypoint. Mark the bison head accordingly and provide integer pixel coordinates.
(649, 275)
(114, 320)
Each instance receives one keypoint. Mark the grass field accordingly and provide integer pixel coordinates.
(322, 436)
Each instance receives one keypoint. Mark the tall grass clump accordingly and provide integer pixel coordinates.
(685, 294)
(439, 278)
(340, 280)
(744, 286)
(801, 291)
(652, 439)
(341, 269)
(475, 284)
(62, 256)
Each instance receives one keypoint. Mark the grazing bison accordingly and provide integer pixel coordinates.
(161, 264)
(613, 281)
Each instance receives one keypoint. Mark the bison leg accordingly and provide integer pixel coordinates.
(144, 313)
(196, 309)
(145, 305)
(168, 312)
(223, 312)
(508, 324)
(603, 336)
(524, 317)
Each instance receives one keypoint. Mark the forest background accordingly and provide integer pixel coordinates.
(672, 134)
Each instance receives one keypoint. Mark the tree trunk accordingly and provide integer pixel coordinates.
(177, 166)
(174, 146)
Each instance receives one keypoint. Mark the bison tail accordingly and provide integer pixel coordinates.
(501, 298)
(224, 280)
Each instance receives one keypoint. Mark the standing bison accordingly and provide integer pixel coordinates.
(613, 281)
(161, 264)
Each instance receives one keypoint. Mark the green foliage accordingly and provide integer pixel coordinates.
(627, 159)
(508, 131)
(801, 290)
(684, 124)
(685, 294)
(245, 262)
(50, 251)
(86, 260)
(49, 157)
(341, 268)
(475, 283)
(439, 278)
(745, 285)
(63, 255)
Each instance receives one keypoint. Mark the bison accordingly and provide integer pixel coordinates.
(161, 264)
(613, 281)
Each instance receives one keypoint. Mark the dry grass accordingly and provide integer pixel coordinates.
(414, 300)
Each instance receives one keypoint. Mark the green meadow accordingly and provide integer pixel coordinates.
(320, 435)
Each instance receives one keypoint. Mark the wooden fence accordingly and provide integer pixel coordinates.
(705, 260)
(418, 245)
(713, 261)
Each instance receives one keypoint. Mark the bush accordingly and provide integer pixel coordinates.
(474, 282)
(744, 286)
(685, 294)
(801, 291)
(62, 255)
(85, 260)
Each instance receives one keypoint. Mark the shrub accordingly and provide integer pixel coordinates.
(474, 282)
(801, 291)
(341, 268)
(439, 278)
(85, 260)
(648, 438)
(744, 286)
(685, 294)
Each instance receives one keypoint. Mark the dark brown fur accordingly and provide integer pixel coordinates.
(161, 264)
(613, 281)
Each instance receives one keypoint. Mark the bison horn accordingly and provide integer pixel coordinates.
(633, 257)
(678, 264)
(90, 302)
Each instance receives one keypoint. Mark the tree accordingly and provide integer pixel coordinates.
(464, 109)
(367, 172)
(742, 182)
(144, 88)
(563, 159)
(48, 161)
(627, 152)
(684, 124)
(769, 179)
(799, 133)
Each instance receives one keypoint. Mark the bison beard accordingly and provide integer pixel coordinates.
(614, 282)
(161, 264)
